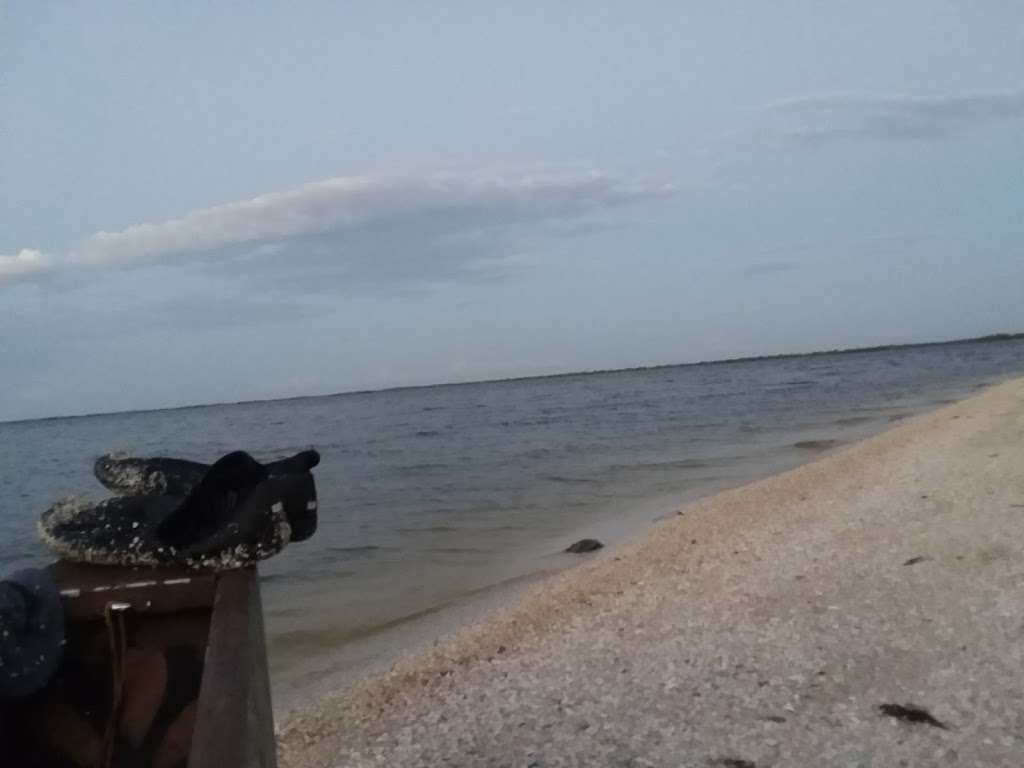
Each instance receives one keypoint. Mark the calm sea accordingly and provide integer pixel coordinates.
(430, 496)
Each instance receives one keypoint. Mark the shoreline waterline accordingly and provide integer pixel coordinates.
(373, 650)
(316, 666)
(723, 550)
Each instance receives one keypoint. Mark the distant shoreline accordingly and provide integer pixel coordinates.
(987, 339)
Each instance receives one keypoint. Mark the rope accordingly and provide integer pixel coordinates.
(113, 617)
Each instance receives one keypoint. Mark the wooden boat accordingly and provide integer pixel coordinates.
(162, 668)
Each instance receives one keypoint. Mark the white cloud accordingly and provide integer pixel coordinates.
(417, 207)
(817, 119)
(25, 263)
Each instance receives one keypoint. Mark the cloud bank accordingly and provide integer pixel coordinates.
(340, 217)
(814, 120)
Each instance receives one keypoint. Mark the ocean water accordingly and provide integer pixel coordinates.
(431, 496)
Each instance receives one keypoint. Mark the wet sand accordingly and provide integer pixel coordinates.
(763, 626)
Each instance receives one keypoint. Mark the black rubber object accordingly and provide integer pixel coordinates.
(239, 511)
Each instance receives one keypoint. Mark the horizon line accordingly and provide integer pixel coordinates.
(991, 337)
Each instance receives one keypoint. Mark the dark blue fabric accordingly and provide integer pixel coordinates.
(31, 632)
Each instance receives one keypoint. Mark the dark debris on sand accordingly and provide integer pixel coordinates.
(584, 545)
(914, 715)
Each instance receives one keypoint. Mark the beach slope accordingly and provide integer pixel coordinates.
(781, 624)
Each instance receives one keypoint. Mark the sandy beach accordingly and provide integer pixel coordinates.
(764, 626)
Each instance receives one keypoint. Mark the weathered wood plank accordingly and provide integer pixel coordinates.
(261, 745)
(234, 719)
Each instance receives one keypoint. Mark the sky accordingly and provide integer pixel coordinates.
(231, 201)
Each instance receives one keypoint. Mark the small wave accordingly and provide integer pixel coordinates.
(429, 529)
(316, 575)
(669, 465)
(815, 445)
(789, 386)
(354, 550)
(428, 433)
(458, 550)
(705, 424)
(849, 421)
(425, 466)
(719, 395)
(898, 416)
(684, 464)
(570, 480)
(541, 421)
(433, 408)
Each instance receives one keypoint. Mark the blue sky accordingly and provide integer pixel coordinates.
(206, 202)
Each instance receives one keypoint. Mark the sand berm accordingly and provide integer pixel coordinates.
(780, 624)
